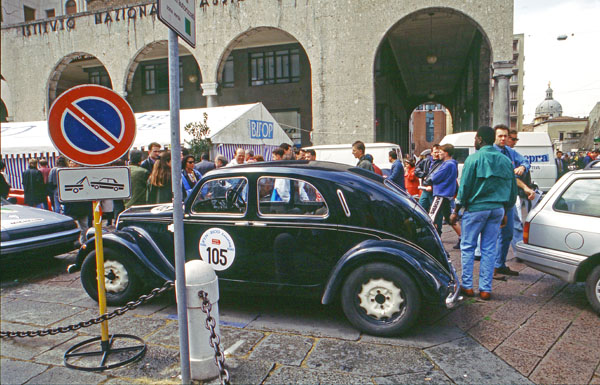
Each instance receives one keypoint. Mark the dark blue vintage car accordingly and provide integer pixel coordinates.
(293, 228)
(29, 231)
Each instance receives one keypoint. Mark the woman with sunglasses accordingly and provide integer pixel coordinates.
(189, 175)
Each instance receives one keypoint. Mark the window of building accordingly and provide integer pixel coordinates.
(156, 78)
(285, 196)
(274, 67)
(70, 7)
(228, 77)
(513, 94)
(429, 126)
(98, 75)
(561, 136)
(513, 107)
(29, 13)
(50, 13)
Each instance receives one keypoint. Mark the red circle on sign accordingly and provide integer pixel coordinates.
(66, 102)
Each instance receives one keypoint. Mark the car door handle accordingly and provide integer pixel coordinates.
(245, 223)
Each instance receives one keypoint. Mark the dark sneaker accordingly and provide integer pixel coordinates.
(506, 271)
(457, 246)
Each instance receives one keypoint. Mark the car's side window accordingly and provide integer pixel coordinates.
(287, 196)
(581, 197)
(224, 196)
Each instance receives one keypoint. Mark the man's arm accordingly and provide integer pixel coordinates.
(530, 193)
(521, 163)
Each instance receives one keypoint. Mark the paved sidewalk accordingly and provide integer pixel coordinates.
(535, 329)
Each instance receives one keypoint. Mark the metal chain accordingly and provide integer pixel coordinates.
(214, 340)
(168, 285)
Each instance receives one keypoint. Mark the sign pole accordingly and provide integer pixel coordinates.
(100, 272)
(184, 351)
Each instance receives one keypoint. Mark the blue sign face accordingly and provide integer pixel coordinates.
(538, 158)
(260, 129)
(93, 125)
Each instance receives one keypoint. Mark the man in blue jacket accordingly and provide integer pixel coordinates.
(397, 171)
(444, 188)
(520, 166)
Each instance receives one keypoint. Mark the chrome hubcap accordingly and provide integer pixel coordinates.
(116, 278)
(380, 298)
(598, 290)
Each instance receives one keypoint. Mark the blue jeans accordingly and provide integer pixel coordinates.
(504, 238)
(487, 224)
(518, 226)
(426, 199)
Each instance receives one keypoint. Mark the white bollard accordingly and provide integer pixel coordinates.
(200, 276)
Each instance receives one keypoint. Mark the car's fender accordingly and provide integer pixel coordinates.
(430, 276)
(140, 244)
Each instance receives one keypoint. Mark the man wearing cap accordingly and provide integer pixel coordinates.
(488, 192)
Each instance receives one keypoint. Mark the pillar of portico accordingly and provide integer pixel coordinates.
(503, 71)
(210, 91)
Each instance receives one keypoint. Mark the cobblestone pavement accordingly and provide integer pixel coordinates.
(535, 329)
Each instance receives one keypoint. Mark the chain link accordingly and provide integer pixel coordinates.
(168, 285)
(214, 340)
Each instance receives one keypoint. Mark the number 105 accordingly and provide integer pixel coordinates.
(216, 256)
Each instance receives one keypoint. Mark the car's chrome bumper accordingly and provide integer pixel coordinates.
(557, 263)
(453, 287)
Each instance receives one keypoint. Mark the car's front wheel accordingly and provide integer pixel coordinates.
(120, 280)
(380, 299)
(592, 288)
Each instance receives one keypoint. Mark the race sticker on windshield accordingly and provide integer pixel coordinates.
(217, 248)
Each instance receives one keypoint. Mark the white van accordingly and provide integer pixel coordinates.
(342, 153)
(535, 146)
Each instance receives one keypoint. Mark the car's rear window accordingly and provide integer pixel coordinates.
(582, 197)
(287, 196)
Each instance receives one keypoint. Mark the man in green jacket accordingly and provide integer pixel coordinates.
(488, 192)
(139, 177)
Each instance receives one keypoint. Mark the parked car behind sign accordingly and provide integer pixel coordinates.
(32, 230)
(292, 228)
(562, 233)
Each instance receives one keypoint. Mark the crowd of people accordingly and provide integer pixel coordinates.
(486, 209)
(150, 176)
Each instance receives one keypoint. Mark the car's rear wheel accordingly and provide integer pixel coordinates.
(380, 299)
(121, 282)
(592, 288)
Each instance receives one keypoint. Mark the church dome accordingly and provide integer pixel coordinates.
(549, 107)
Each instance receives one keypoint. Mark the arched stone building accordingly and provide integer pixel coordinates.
(332, 72)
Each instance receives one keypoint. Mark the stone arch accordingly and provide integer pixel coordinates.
(158, 51)
(281, 51)
(435, 53)
(58, 84)
(6, 99)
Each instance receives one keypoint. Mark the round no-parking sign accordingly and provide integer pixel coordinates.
(91, 125)
(217, 248)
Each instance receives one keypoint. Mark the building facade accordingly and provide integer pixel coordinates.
(330, 72)
(517, 83)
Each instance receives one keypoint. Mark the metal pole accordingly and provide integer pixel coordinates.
(184, 350)
(100, 272)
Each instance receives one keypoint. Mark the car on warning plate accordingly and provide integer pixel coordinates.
(29, 230)
(561, 235)
(293, 228)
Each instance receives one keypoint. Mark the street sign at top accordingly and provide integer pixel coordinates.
(180, 16)
(91, 125)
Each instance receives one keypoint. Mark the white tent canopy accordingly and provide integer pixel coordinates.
(249, 124)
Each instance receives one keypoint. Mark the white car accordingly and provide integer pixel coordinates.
(561, 235)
